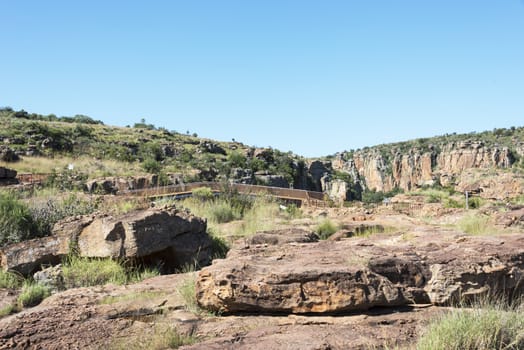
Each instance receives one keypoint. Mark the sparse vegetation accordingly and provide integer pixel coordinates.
(161, 337)
(8, 310)
(186, 290)
(475, 224)
(484, 327)
(32, 294)
(85, 272)
(326, 228)
(10, 279)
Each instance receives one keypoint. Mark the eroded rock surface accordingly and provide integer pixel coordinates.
(355, 274)
(162, 236)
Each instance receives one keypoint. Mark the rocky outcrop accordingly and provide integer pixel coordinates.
(7, 176)
(112, 185)
(271, 180)
(163, 233)
(322, 278)
(8, 155)
(161, 236)
(416, 167)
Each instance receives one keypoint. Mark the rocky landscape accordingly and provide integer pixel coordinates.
(387, 248)
(284, 289)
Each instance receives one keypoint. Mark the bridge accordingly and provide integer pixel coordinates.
(185, 190)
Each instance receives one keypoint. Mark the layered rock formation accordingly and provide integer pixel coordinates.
(355, 274)
(431, 165)
(162, 236)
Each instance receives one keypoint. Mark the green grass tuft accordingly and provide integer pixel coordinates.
(32, 294)
(326, 228)
(485, 327)
(162, 337)
(10, 279)
(475, 225)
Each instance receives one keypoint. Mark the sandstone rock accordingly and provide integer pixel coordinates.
(316, 170)
(337, 190)
(279, 237)
(414, 168)
(211, 147)
(112, 185)
(513, 217)
(27, 257)
(334, 277)
(170, 234)
(272, 180)
(300, 278)
(164, 237)
(51, 277)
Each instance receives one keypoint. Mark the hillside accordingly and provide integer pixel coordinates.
(34, 143)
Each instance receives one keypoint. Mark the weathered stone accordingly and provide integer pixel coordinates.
(414, 168)
(211, 147)
(8, 155)
(52, 277)
(299, 278)
(331, 277)
(272, 180)
(279, 237)
(27, 257)
(141, 234)
(112, 185)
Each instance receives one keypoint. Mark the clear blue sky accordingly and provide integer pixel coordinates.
(313, 77)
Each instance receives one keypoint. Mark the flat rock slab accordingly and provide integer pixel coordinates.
(357, 274)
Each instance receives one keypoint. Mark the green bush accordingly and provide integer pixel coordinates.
(33, 294)
(203, 193)
(10, 279)
(325, 229)
(16, 221)
(219, 247)
(85, 272)
(152, 166)
(475, 225)
(481, 328)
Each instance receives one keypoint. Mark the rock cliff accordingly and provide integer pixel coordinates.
(384, 168)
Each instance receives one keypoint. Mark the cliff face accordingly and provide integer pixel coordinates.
(414, 167)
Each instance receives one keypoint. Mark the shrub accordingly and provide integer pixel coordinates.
(152, 166)
(10, 280)
(222, 212)
(219, 247)
(475, 225)
(203, 193)
(481, 328)
(33, 294)
(187, 291)
(84, 272)
(16, 221)
(8, 310)
(325, 229)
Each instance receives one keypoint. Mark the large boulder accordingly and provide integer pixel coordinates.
(166, 234)
(355, 274)
(164, 237)
(8, 155)
(8, 176)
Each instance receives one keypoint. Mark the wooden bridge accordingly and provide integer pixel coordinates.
(185, 190)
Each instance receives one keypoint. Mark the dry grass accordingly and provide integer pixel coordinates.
(87, 165)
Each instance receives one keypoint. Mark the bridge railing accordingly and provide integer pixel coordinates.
(302, 195)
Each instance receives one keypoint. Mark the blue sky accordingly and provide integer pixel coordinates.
(313, 77)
